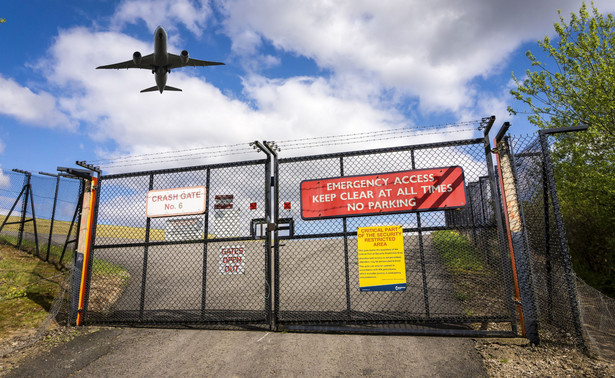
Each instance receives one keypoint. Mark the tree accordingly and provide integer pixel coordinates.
(577, 86)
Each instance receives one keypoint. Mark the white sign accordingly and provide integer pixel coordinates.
(232, 260)
(179, 201)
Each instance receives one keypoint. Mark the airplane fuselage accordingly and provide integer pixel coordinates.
(160, 58)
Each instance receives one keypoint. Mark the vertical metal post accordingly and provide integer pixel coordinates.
(145, 257)
(270, 292)
(24, 208)
(499, 219)
(38, 253)
(205, 245)
(515, 231)
(268, 288)
(274, 270)
(346, 264)
(471, 204)
(483, 222)
(77, 217)
(53, 214)
(421, 250)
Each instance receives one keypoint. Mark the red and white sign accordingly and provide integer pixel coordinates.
(232, 260)
(179, 201)
(396, 192)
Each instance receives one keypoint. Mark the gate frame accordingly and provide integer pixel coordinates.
(272, 240)
(486, 126)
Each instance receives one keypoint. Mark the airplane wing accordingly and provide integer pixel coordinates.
(145, 63)
(176, 62)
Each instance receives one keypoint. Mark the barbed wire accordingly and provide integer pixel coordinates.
(332, 141)
(199, 153)
(390, 131)
(158, 154)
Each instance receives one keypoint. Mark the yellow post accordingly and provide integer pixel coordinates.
(85, 238)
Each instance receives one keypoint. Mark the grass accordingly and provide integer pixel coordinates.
(28, 287)
(468, 271)
(457, 252)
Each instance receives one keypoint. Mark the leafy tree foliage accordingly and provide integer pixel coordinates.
(577, 86)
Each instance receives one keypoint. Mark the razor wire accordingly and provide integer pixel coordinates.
(291, 144)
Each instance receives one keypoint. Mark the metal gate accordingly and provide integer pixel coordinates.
(171, 270)
(292, 272)
(458, 276)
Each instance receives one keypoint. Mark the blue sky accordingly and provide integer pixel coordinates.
(294, 69)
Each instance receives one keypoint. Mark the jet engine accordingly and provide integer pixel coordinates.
(136, 57)
(184, 56)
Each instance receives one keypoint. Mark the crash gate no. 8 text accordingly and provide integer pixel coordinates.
(416, 190)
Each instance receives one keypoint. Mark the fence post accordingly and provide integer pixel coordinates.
(24, 206)
(515, 233)
(76, 217)
(346, 264)
(145, 256)
(421, 249)
(271, 218)
(82, 262)
(500, 224)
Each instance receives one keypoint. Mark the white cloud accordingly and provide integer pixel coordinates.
(109, 101)
(35, 108)
(5, 180)
(428, 49)
(169, 13)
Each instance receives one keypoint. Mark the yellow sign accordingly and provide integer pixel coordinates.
(382, 263)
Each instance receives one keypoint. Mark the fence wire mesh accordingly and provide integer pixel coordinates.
(38, 214)
(456, 274)
(566, 304)
(200, 268)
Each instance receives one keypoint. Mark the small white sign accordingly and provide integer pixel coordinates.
(232, 260)
(179, 201)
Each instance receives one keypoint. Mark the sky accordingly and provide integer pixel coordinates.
(295, 70)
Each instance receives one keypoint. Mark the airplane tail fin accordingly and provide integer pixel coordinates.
(166, 88)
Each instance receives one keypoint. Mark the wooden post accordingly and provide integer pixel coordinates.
(82, 256)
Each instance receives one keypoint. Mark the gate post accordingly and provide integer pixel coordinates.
(271, 218)
(497, 210)
(515, 233)
(82, 261)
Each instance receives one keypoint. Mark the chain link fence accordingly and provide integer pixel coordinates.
(203, 268)
(39, 214)
(457, 277)
(36, 214)
(566, 305)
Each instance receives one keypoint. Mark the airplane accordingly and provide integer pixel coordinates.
(160, 62)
